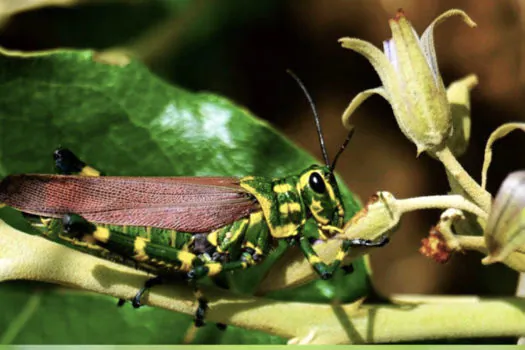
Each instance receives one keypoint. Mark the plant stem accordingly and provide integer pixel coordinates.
(472, 243)
(475, 191)
(520, 293)
(29, 257)
(440, 202)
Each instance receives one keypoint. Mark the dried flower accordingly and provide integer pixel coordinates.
(435, 246)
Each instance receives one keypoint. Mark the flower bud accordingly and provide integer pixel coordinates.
(505, 231)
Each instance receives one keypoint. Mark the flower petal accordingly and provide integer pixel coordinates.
(422, 112)
(427, 39)
(377, 58)
(357, 101)
(505, 232)
(497, 134)
(458, 96)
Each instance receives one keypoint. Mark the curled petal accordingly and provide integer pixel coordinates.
(497, 134)
(357, 101)
(458, 95)
(505, 232)
(378, 60)
(427, 39)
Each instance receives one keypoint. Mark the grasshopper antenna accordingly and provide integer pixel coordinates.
(316, 116)
(343, 146)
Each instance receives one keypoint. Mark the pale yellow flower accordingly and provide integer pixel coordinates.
(411, 81)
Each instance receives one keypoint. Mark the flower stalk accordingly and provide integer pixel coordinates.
(479, 195)
(22, 256)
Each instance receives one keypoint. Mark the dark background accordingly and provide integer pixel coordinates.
(241, 49)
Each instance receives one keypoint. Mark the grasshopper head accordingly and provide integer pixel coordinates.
(321, 196)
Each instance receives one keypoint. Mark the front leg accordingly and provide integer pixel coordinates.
(325, 270)
(330, 231)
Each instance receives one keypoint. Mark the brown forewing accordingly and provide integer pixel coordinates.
(189, 204)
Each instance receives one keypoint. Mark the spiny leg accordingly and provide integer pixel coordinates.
(210, 269)
(150, 283)
(368, 243)
(136, 301)
(326, 271)
(360, 242)
(202, 307)
(66, 163)
(141, 250)
(114, 240)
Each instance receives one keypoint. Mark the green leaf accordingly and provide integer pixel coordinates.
(40, 314)
(126, 121)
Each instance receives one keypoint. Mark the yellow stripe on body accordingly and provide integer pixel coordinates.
(76, 242)
(235, 233)
(288, 208)
(89, 171)
(265, 204)
(213, 238)
(282, 188)
(186, 259)
(322, 236)
(340, 255)
(45, 221)
(256, 218)
(214, 268)
(314, 259)
(316, 208)
(282, 231)
(139, 248)
(254, 247)
(303, 181)
(102, 234)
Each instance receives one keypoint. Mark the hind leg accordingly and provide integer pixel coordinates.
(142, 250)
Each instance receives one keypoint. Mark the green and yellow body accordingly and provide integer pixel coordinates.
(280, 211)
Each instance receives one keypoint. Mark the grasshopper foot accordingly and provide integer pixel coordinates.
(136, 301)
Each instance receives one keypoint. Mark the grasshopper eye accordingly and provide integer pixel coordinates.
(316, 182)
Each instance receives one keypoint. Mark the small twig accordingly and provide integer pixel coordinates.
(474, 190)
(440, 202)
(29, 257)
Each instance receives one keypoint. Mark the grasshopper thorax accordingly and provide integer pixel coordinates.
(321, 196)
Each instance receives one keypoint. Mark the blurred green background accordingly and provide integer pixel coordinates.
(240, 50)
